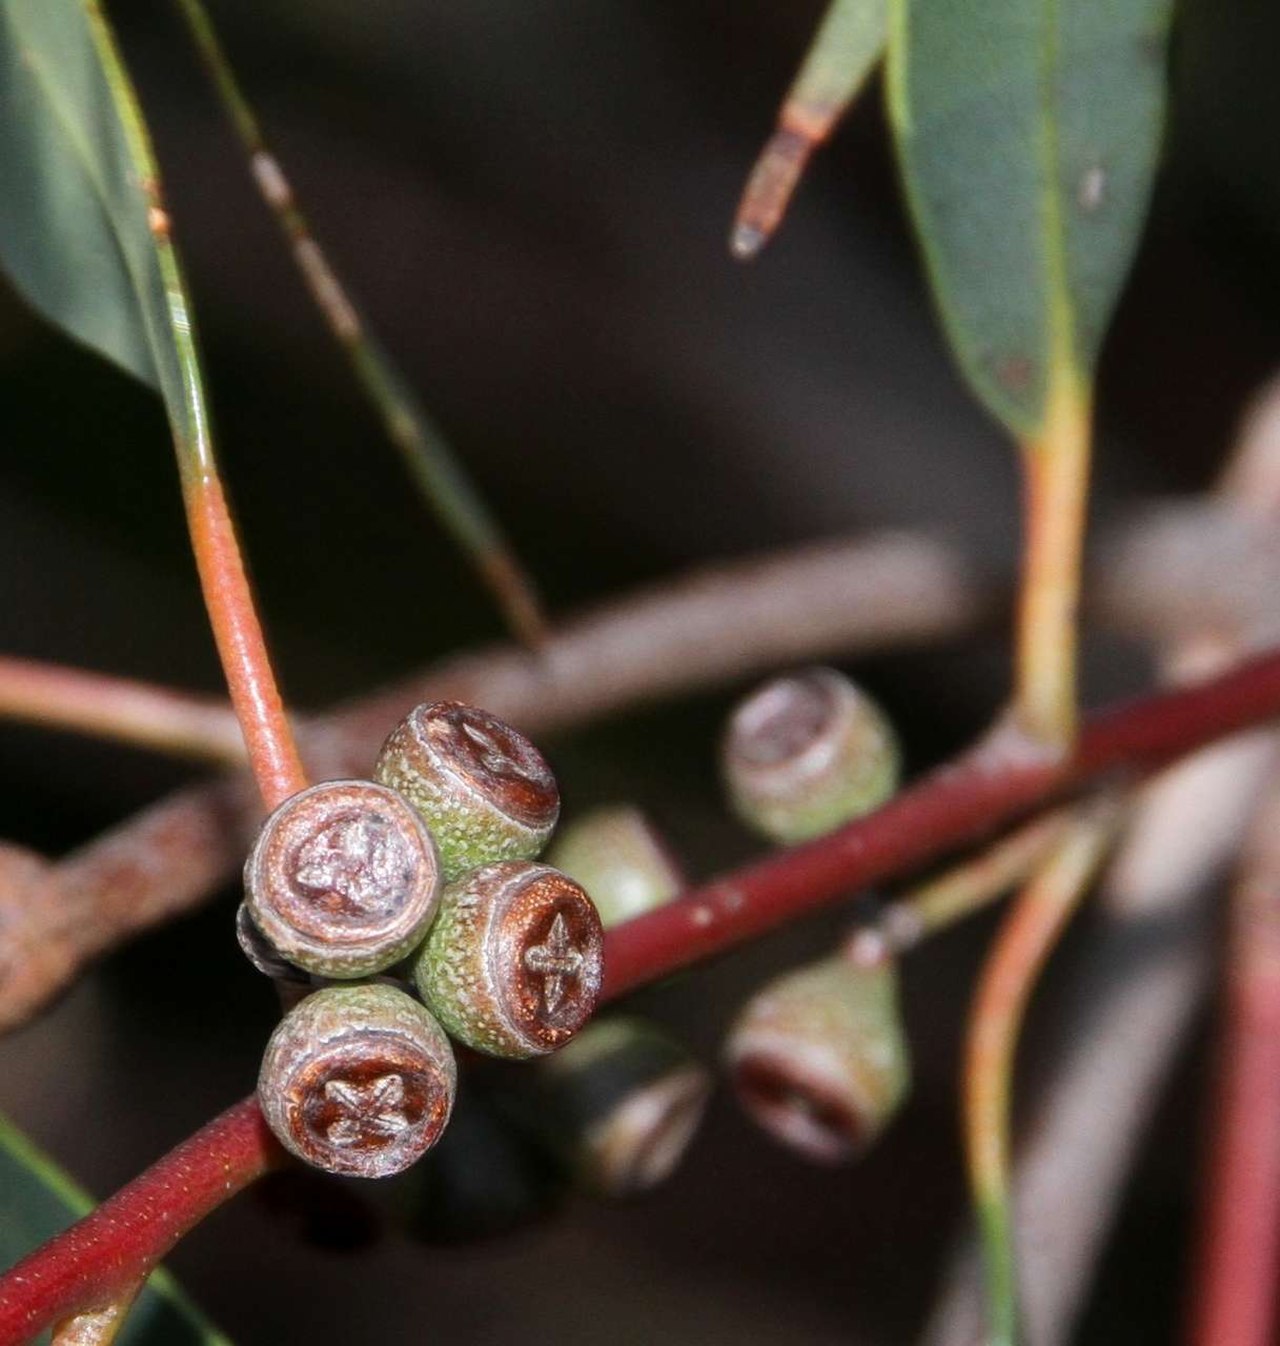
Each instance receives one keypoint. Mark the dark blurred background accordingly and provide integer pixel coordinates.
(532, 200)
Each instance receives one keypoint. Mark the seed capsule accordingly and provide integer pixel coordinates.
(485, 791)
(483, 1179)
(806, 753)
(344, 879)
(513, 963)
(620, 860)
(258, 950)
(620, 1104)
(818, 1057)
(358, 1080)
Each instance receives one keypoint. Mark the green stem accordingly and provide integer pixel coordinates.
(968, 887)
(846, 48)
(1024, 943)
(1056, 489)
(428, 458)
(224, 581)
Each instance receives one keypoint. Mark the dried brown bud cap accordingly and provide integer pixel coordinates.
(358, 1080)
(818, 1057)
(513, 963)
(808, 752)
(616, 855)
(486, 792)
(622, 1101)
(343, 879)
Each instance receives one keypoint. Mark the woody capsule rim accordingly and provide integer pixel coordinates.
(344, 878)
(515, 960)
(358, 1080)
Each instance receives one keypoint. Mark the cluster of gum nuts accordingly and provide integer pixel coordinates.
(427, 876)
(424, 876)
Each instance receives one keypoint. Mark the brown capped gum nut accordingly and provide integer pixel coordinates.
(513, 963)
(343, 879)
(358, 1080)
(622, 1103)
(485, 791)
(807, 752)
(818, 1057)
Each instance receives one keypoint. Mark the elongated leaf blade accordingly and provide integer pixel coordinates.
(1028, 133)
(37, 1199)
(74, 234)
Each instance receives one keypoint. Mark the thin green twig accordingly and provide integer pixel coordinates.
(237, 630)
(1024, 943)
(427, 456)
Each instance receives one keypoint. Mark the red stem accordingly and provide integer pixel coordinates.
(273, 755)
(949, 808)
(1238, 1275)
(121, 1241)
(132, 1230)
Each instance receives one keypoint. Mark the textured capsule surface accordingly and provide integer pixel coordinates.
(358, 1080)
(819, 1059)
(343, 879)
(807, 752)
(622, 1103)
(616, 855)
(486, 792)
(513, 963)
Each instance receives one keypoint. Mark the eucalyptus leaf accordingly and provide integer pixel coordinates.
(844, 51)
(73, 222)
(1028, 132)
(37, 1200)
(83, 233)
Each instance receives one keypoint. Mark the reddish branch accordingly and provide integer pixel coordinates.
(954, 806)
(1238, 1278)
(268, 736)
(120, 708)
(724, 622)
(957, 804)
(121, 1241)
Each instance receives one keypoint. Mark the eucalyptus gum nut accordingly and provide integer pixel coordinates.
(513, 964)
(358, 1080)
(485, 791)
(806, 753)
(618, 857)
(819, 1059)
(486, 1177)
(343, 879)
(621, 1103)
(259, 951)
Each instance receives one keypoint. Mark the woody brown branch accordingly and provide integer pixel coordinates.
(728, 622)
(711, 627)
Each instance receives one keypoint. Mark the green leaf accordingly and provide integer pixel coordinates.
(83, 232)
(73, 224)
(845, 49)
(37, 1200)
(1028, 132)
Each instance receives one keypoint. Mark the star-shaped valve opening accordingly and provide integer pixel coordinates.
(556, 960)
(371, 1113)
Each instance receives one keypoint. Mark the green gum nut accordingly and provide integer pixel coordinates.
(806, 753)
(485, 1177)
(513, 964)
(485, 791)
(819, 1059)
(622, 1102)
(620, 1105)
(620, 860)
